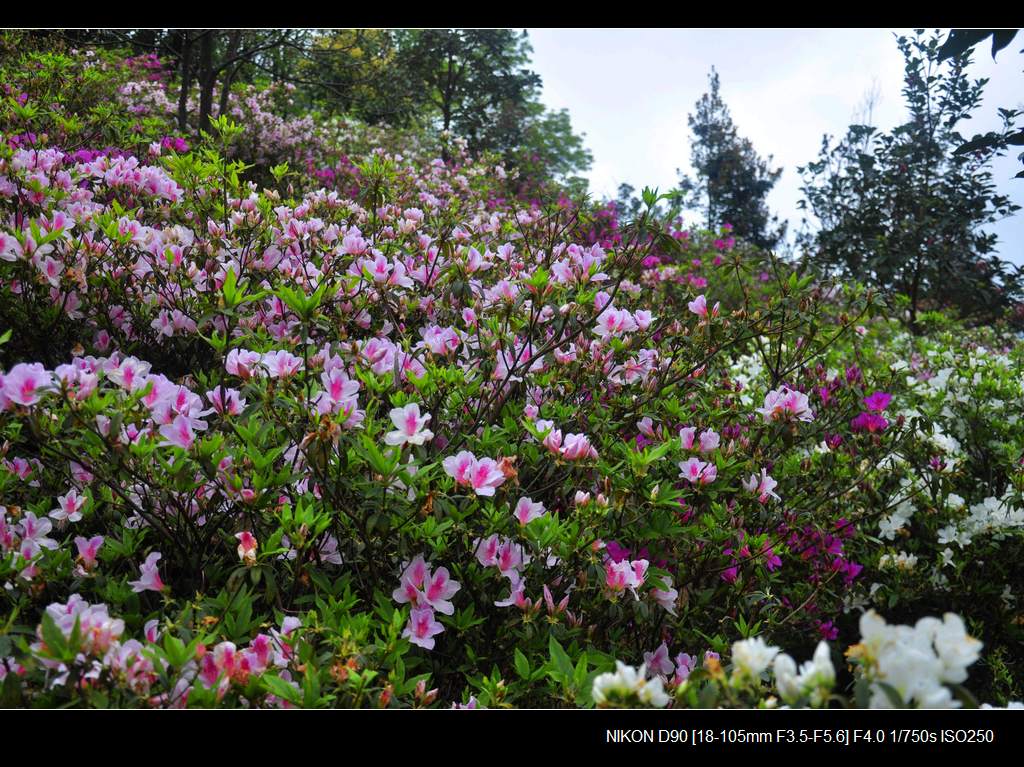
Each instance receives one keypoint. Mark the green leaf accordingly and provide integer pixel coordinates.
(522, 664)
(282, 689)
(561, 660)
(960, 41)
(54, 639)
(892, 694)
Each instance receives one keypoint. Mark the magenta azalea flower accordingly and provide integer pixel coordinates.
(878, 401)
(869, 422)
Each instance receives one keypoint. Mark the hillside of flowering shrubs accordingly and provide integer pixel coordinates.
(298, 414)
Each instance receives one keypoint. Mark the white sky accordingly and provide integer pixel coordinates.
(630, 91)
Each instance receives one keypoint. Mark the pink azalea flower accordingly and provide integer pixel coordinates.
(510, 557)
(33, 535)
(646, 427)
(460, 466)
(643, 318)
(517, 595)
(699, 306)
(88, 549)
(763, 487)
(485, 476)
(149, 578)
(685, 663)
(486, 550)
(70, 507)
(784, 403)
(527, 510)
(25, 382)
(614, 322)
(422, 628)
(178, 433)
(686, 436)
(242, 363)
(577, 447)
(246, 547)
(410, 426)
(80, 474)
(665, 595)
(281, 364)
(439, 589)
(553, 437)
(697, 471)
(129, 373)
(658, 661)
(226, 401)
(624, 574)
(413, 576)
(709, 440)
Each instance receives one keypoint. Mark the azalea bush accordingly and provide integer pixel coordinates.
(395, 435)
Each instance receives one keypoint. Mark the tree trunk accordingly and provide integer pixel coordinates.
(207, 78)
(229, 75)
(185, 65)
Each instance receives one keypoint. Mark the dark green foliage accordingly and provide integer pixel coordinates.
(963, 40)
(905, 211)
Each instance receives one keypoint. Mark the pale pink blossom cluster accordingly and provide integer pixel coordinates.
(625, 574)
(276, 364)
(425, 591)
(697, 472)
(786, 404)
(707, 441)
(764, 486)
(483, 475)
(571, 447)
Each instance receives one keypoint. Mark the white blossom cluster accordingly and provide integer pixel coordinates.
(813, 681)
(916, 662)
(904, 666)
(628, 686)
(992, 516)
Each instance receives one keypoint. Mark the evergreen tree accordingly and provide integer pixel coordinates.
(733, 181)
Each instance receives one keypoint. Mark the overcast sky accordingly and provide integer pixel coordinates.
(630, 91)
